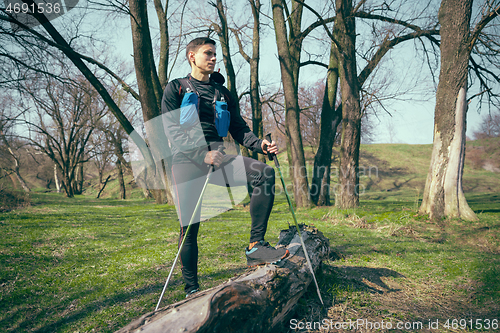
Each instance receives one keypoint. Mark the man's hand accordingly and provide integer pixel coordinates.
(269, 147)
(214, 157)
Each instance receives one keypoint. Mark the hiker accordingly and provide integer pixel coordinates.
(198, 112)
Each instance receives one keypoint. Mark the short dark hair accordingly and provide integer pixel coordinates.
(195, 44)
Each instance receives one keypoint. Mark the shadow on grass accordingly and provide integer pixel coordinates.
(355, 278)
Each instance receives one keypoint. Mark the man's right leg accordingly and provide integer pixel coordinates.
(188, 180)
(189, 257)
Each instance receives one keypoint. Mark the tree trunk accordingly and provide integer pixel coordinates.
(289, 57)
(78, 181)
(330, 119)
(245, 152)
(68, 189)
(103, 186)
(56, 180)
(16, 164)
(347, 195)
(121, 181)
(255, 102)
(260, 300)
(117, 142)
(164, 42)
(223, 33)
(443, 193)
(150, 92)
(20, 179)
(257, 124)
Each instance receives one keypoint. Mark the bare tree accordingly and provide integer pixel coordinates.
(489, 126)
(254, 60)
(101, 151)
(65, 118)
(9, 146)
(150, 91)
(343, 43)
(331, 115)
(289, 37)
(443, 193)
(31, 40)
(115, 135)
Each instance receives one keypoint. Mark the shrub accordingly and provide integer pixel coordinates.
(475, 157)
(11, 199)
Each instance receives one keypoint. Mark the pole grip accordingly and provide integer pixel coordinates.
(272, 157)
(220, 149)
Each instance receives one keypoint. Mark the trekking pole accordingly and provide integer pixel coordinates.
(220, 149)
(275, 159)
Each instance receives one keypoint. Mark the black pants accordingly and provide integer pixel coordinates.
(188, 182)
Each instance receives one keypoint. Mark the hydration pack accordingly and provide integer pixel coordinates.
(190, 106)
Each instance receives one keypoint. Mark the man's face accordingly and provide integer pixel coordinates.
(204, 58)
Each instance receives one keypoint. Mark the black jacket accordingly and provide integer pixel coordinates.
(192, 145)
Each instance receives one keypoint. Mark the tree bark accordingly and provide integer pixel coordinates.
(289, 49)
(347, 195)
(254, 60)
(260, 300)
(255, 102)
(103, 186)
(443, 193)
(330, 119)
(78, 181)
(121, 181)
(223, 33)
(164, 43)
(20, 179)
(150, 92)
(56, 179)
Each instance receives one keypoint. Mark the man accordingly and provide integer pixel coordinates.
(195, 151)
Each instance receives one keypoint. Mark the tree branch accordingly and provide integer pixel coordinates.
(388, 44)
(240, 45)
(362, 14)
(64, 48)
(320, 21)
(313, 62)
(482, 23)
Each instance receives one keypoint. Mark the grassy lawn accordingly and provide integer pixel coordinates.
(94, 265)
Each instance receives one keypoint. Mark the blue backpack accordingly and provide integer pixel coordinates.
(190, 108)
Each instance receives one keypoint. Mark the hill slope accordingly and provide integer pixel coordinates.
(383, 168)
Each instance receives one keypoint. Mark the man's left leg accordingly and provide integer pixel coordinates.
(261, 179)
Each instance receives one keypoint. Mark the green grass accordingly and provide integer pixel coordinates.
(86, 265)
(94, 265)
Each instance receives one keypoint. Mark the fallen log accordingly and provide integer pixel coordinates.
(260, 300)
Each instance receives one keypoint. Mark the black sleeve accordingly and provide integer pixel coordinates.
(190, 142)
(239, 129)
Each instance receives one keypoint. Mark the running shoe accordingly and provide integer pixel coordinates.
(263, 253)
(190, 293)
